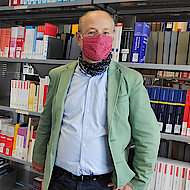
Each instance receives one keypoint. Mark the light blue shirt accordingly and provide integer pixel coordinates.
(83, 142)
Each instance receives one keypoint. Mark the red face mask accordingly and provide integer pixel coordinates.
(97, 48)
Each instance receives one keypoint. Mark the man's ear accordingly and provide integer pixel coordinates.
(78, 39)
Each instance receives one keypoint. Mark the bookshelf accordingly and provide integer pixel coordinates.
(175, 137)
(36, 61)
(25, 112)
(70, 11)
(16, 160)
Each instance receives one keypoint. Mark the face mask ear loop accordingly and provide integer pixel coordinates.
(81, 35)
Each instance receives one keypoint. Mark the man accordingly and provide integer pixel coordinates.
(93, 108)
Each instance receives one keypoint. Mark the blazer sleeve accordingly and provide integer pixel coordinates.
(146, 134)
(44, 127)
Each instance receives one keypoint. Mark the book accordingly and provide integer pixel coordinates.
(171, 111)
(20, 41)
(35, 99)
(6, 43)
(126, 45)
(179, 111)
(182, 48)
(9, 140)
(154, 37)
(167, 37)
(159, 176)
(45, 94)
(31, 96)
(15, 2)
(186, 113)
(172, 54)
(75, 49)
(154, 99)
(14, 36)
(141, 34)
(2, 41)
(160, 47)
(74, 28)
(41, 94)
(15, 139)
(163, 108)
(28, 43)
(117, 42)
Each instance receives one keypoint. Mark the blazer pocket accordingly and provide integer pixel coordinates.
(123, 98)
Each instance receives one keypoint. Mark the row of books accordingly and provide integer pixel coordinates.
(160, 47)
(170, 175)
(31, 2)
(18, 140)
(172, 74)
(28, 95)
(169, 105)
(170, 26)
(174, 150)
(38, 42)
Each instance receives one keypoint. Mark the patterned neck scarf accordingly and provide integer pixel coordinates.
(94, 69)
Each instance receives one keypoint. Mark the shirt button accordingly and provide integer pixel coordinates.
(90, 94)
(86, 127)
(84, 144)
(88, 110)
(83, 161)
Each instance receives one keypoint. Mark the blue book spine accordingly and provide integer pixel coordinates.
(35, 37)
(141, 34)
(149, 90)
(180, 106)
(155, 94)
(136, 49)
(171, 113)
(162, 107)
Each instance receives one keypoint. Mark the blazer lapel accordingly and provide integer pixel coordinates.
(64, 83)
(114, 77)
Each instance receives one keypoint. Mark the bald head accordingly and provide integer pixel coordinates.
(100, 15)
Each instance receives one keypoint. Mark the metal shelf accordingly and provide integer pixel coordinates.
(157, 66)
(115, 1)
(25, 112)
(175, 137)
(37, 61)
(46, 5)
(16, 160)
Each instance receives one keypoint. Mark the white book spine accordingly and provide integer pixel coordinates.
(118, 42)
(159, 176)
(18, 95)
(15, 93)
(171, 177)
(184, 129)
(187, 186)
(153, 179)
(45, 46)
(12, 95)
(176, 178)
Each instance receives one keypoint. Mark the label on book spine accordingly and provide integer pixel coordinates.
(168, 128)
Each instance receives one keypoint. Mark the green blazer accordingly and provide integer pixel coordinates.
(129, 114)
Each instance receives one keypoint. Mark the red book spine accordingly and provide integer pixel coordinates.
(7, 43)
(3, 31)
(15, 2)
(186, 114)
(50, 30)
(45, 93)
